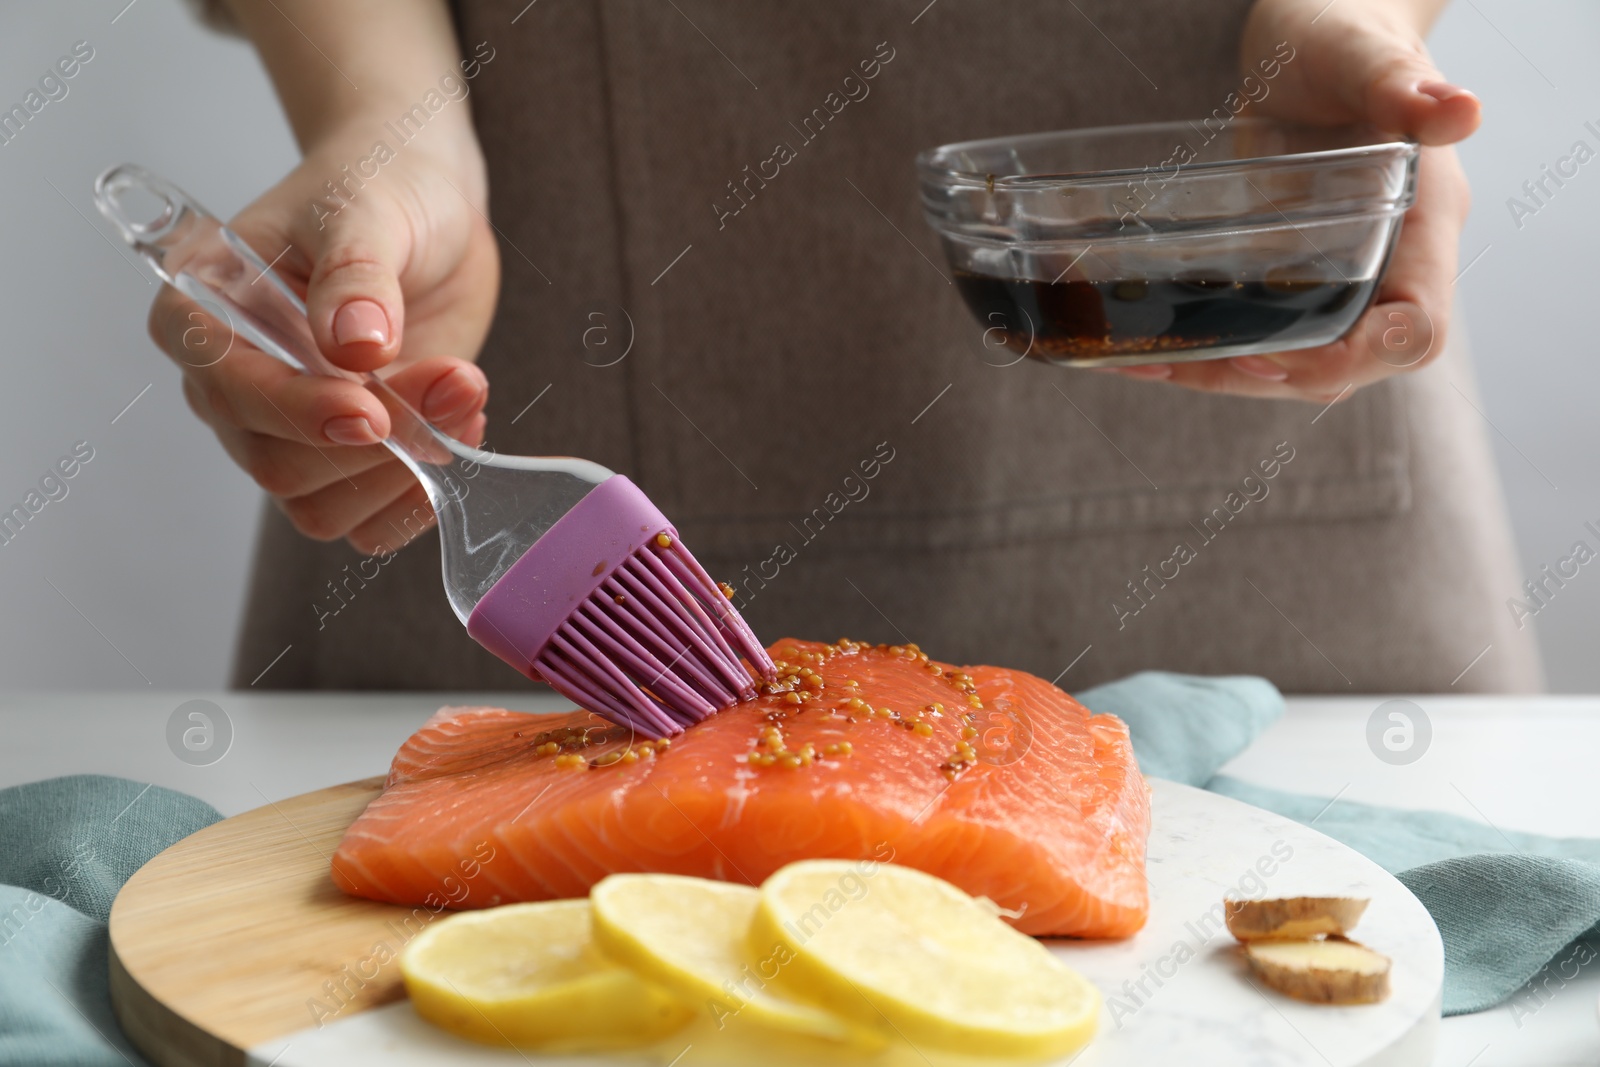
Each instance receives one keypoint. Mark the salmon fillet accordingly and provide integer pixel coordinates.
(992, 779)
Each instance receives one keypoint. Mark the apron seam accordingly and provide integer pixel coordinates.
(620, 249)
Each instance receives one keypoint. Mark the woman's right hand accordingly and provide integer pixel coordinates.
(404, 276)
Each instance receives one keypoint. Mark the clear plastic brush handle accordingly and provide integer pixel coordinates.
(194, 252)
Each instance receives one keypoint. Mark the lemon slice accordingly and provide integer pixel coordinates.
(690, 935)
(893, 947)
(528, 975)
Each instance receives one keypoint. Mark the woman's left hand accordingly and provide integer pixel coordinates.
(1360, 61)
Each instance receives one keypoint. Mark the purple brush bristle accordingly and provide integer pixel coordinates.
(614, 612)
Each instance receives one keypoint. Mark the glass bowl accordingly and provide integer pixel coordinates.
(1171, 241)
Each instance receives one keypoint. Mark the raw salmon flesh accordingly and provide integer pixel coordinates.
(992, 779)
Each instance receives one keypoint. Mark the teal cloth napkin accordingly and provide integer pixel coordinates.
(1508, 905)
(66, 847)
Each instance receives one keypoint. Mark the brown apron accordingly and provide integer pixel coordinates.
(804, 393)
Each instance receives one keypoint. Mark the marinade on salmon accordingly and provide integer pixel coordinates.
(992, 779)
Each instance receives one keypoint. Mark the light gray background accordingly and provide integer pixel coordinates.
(137, 576)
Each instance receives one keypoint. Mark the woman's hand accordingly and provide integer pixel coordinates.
(1361, 61)
(404, 275)
(399, 271)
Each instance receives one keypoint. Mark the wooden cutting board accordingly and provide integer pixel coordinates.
(237, 934)
(233, 948)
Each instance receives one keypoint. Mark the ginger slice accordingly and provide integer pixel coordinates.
(1329, 971)
(1293, 918)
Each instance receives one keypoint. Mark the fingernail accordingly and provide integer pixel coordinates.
(1152, 371)
(450, 394)
(361, 322)
(1260, 367)
(350, 430)
(1442, 91)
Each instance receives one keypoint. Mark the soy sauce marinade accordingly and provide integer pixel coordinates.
(1083, 320)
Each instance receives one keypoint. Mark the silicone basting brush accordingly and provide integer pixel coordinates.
(557, 565)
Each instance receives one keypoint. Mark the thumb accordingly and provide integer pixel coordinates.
(353, 297)
(1388, 79)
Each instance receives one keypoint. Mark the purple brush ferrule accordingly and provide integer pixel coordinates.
(626, 627)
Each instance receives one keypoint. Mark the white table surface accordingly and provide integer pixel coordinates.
(1524, 763)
